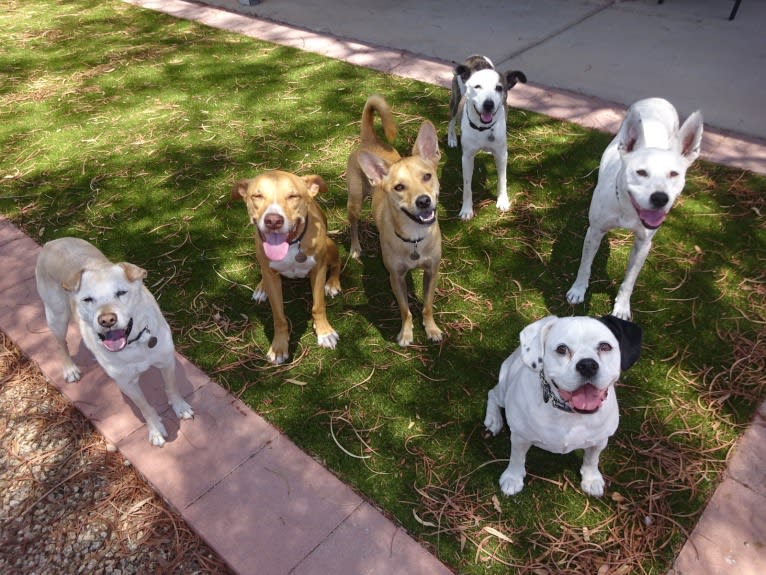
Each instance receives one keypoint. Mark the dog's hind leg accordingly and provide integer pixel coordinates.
(638, 254)
(576, 293)
(354, 203)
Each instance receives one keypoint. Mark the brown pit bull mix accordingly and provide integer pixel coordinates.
(405, 192)
(291, 240)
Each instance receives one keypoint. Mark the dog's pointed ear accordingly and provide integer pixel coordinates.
(690, 137)
(631, 133)
(315, 184)
(132, 271)
(72, 282)
(239, 190)
(374, 167)
(629, 335)
(512, 77)
(427, 143)
(533, 342)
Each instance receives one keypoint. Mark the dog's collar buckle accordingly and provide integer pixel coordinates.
(550, 396)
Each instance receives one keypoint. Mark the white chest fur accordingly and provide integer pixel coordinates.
(290, 268)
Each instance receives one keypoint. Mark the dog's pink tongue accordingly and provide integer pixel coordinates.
(652, 218)
(587, 398)
(115, 340)
(276, 246)
(486, 117)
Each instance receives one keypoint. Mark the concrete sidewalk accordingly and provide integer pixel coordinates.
(586, 60)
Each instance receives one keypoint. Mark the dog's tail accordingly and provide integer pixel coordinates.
(376, 103)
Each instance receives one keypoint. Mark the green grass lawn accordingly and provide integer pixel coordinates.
(128, 128)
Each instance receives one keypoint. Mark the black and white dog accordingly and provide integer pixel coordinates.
(479, 99)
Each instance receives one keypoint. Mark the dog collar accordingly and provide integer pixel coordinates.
(481, 128)
(550, 395)
(152, 340)
(414, 255)
(300, 257)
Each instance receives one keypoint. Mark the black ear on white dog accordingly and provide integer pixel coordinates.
(629, 335)
(512, 77)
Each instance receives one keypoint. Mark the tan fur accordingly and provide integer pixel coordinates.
(398, 185)
(295, 195)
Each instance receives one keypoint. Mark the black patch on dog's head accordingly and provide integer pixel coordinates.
(629, 336)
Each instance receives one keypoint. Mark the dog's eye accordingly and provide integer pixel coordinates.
(399, 187)
(120, 293)
(673, 174)
(604, 346)
(499, 89)
(642, 173)
(562, 349)
(87, 299)
(427, 177)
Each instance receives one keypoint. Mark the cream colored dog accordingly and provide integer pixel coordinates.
(405, 194)
(292, 241)
(119, 320)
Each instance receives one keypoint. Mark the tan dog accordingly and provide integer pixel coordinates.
(405, 193)
(291, 240)
(119, 320)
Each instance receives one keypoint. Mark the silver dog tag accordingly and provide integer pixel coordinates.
(300, 257)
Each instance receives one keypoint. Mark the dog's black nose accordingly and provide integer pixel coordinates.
(587, 367)
(488, 105)
(659, 199)
(423, 202)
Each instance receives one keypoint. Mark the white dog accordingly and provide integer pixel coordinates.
(557, 389)
(642, 173)
(120, 322)
(479, 99)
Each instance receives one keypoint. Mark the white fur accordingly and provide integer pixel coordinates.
(647, 160)
(532, 421)
(104, 288)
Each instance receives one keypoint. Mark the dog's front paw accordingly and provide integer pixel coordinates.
(405, 338)
(466, 213)
(259, 295)
(621, 310)
(433, 332)
(452, 140)
(511, 482)
(593, 484)
(157, 434)
(71, 373)
(493, 420)
(277, 357)
(576, 294)
(331, 290)
(182, 409)
(329, 340)
(503, 203)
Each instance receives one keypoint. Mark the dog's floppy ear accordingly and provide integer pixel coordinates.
(629, 336)
(72, 283)
(132, 271)
(512, 77)
(239, 190)
(315, 184)
(374, 167)
(463, 72)
(690, 137)
(533, 342)
(427, 143)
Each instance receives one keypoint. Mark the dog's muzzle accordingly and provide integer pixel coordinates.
(651, 219)
(116, 339)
